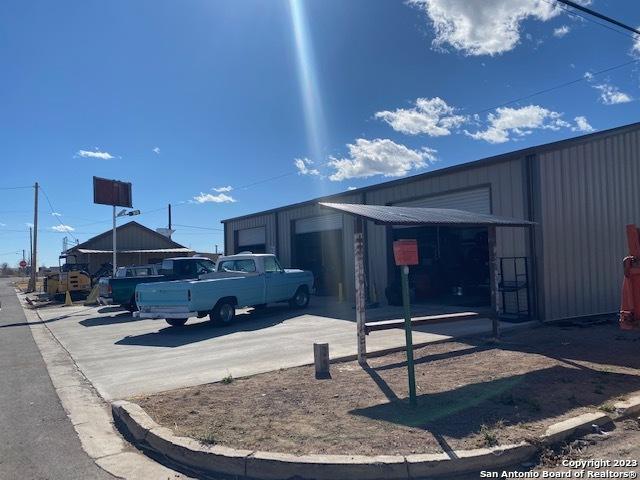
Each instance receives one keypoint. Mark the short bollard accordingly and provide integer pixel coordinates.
(321, 360)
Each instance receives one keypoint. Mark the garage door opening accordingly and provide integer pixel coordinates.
(318, 247)
(453, 269)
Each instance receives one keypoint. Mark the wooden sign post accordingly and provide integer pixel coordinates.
(405, 253)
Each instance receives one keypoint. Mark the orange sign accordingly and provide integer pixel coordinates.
(405, 252)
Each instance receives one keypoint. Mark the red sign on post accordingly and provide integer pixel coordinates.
(23, 264)
(405, 252)
(111, 192)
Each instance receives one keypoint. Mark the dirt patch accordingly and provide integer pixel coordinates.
(471, 394)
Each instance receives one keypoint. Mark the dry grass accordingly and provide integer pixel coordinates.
(471, 394)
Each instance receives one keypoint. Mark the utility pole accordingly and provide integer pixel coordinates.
(34, 254)
(31, 246)
(169, 220)
(114, 242)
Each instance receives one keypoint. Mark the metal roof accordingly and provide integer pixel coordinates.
(388, 215)
(153, 250)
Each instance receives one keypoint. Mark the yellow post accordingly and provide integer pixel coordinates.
(67, 299)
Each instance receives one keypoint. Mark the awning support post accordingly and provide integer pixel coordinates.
(358, 249)
(493, 281)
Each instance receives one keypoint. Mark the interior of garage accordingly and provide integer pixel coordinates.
(453, 268)
(318, 247)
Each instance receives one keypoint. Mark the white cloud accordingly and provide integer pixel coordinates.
(156, 150)
(28, 225)
(611, 95)
(95, 154)
(518, 121)
(62, 228)
(582, 125)
(561, 31)
(303, 164)
(56, 214)
(351, 188)
(487, 27)
(430, 115)
(635, 49)
(228, 188)
(379, 157)
(209, 198)
(3, 224)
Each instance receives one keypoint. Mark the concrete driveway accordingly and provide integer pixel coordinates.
(123, 356)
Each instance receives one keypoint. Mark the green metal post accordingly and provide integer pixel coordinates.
(409, 335)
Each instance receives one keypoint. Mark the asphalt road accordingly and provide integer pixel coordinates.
(123, 356)
(37, 440)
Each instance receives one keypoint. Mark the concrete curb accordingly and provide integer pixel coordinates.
(271, 466)
(277, 466)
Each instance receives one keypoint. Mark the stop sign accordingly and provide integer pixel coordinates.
(23, 264)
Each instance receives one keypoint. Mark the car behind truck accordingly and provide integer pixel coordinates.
(243, 280)
(121, 291)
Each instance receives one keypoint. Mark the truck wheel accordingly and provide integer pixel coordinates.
(301, 298)
(223, 313)
(132, 306)
(176, 322)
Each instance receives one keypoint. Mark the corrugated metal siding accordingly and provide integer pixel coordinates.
(589, 192)
(505, 181)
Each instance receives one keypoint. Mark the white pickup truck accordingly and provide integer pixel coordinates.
(243, 280)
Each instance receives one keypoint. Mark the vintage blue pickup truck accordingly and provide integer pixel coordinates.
(243, 280)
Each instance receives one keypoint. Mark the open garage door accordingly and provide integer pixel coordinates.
(252, 240)
(454, 261)
(318, 247)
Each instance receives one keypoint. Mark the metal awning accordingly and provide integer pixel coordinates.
(389, 215)
(153, 250)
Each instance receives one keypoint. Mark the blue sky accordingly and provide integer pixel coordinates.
(182, 98)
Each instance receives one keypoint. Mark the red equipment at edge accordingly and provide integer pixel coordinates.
(630, 308)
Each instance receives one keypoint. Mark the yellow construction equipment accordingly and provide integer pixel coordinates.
(72, 279)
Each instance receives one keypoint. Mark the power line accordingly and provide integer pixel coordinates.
(199, 228)
(557, 87)
(53, 210)
(16, 188)
(598, 15)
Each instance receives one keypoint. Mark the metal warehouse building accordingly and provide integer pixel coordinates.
(581, 193)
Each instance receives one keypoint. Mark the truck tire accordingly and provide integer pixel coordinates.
(223, 313)
(301, 298)
(132, 306)
(176, 322)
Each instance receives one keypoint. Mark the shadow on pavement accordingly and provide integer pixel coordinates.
(205, 330)
(111, 309)
(124, 317)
